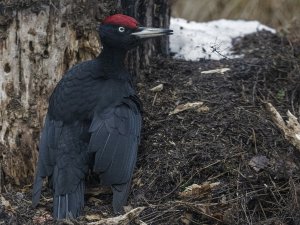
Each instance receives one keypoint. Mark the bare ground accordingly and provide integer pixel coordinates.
(249, 173)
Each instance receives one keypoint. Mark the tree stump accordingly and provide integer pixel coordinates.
(39, 41)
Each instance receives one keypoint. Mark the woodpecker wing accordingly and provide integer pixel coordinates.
(114, 140)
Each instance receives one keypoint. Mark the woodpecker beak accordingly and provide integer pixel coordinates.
(148, 32)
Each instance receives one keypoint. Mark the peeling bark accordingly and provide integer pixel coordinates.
(39, 41)
(37, 51)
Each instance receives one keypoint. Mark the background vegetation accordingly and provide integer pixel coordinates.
(281, 14)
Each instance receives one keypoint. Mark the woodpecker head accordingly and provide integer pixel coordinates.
(121, 31)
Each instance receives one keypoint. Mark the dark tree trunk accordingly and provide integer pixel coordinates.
(150, 13)
(39, 41)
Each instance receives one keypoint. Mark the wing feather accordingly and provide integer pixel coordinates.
(114, 139)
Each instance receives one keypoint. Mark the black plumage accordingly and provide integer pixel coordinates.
(93, 122)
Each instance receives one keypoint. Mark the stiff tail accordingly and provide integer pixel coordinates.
(120, 195)
(69, 205)
(37, 189)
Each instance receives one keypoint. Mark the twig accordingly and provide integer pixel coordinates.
(154, 100)
(243, 205)
(254, 140)
(194, 207)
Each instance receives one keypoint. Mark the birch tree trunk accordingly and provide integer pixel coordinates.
(39, 41)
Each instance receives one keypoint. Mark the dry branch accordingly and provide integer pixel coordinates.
(290, 128)
(122, 219)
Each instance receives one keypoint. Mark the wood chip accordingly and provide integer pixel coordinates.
(220, 71)
(157, 88)
(120, 220)
(93, 217)
(196, 190)
(290, 128)
(197, 106)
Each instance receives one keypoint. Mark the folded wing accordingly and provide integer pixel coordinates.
(114, 140)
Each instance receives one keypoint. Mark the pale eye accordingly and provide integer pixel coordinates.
(121, 29)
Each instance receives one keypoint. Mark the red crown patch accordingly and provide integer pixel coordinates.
(122, 20)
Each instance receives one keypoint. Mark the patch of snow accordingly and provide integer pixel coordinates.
(210, 40)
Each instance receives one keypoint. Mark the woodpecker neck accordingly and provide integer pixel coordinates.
(112, 58)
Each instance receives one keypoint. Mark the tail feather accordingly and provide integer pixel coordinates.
(120, 195)
(37, 189)
(69, 205)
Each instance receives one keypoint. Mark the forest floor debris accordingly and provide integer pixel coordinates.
(235, 145)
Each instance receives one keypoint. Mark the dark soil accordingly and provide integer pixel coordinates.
(213, 146)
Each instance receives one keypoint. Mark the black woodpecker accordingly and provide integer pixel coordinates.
(93, 123)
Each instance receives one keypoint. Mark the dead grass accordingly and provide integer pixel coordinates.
(275, 13)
